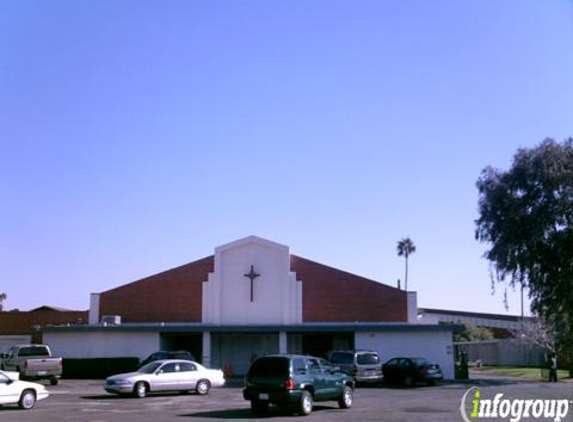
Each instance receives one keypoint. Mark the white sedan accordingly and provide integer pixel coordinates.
(23, 393)
(166, 375)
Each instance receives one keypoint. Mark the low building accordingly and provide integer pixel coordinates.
(18, 327)
(501, 326)
(250, 298)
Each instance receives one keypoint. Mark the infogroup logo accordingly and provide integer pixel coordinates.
(474, 407)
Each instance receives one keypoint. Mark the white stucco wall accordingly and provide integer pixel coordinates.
(99, 344)
(435, 346)
(277, 296)
(6, 342)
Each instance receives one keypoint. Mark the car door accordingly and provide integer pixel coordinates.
(188, 376)
(166, 377)
(9, 390)
(8, 362)
(332, 383)
(319, 379)
(390, 369)
(406, 368)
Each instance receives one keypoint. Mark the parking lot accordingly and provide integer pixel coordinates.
(86, 401)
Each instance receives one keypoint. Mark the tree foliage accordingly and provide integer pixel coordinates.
(526, 216)
(3, 297)
(473, 333)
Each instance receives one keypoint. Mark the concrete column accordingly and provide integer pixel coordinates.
(206, 349)
(412, 307)
(283, 342)
(93, 317)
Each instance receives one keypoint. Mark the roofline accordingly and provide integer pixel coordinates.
(472, 314)
(330, 267)
(341, 327)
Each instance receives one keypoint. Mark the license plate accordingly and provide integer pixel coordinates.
(263, 396)
(42, 372)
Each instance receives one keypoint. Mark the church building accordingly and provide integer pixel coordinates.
(250, 298)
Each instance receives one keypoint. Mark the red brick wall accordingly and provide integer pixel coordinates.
(332, 295)
(329, 295)
(15, 322)
(171, 296)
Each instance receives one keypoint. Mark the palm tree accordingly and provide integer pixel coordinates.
(405, 248)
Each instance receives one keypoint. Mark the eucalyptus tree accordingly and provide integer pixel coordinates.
(526, 218)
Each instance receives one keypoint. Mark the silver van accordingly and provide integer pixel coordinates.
(364, 365)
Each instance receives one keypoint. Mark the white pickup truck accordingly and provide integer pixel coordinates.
(33, 361)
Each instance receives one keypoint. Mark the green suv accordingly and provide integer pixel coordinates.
(295, 382)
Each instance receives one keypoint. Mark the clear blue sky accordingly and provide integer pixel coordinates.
(136, 136)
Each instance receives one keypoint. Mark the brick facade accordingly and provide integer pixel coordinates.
(329, 295)
(171, 296)
(332, 295)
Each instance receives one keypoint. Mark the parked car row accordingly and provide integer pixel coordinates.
(293, 382)
(365, 366)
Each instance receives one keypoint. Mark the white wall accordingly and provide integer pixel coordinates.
(78, 345)
(435, 346)
(277, 296)
(6, 342)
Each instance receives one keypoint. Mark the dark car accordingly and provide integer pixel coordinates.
(295, 382)
(364, 365)
(409, 371)
(168, 354)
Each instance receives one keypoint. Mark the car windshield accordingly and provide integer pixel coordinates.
(150, 368)
(270, 367)
(420, 361)
(341, 358)
(368, 359)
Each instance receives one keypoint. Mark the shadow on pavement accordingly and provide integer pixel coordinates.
(246, 413)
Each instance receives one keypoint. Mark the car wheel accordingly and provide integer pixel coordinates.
(27, 399)
(345, 401)
(431, 382)
(259, 407)
(203, 387)
(53, 381)
(305, 403)
(140, 390)
(409, 381)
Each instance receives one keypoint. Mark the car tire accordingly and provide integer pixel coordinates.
(203, 386)
(345, 401)
(140, 390)
(27, 399)
(305, 403)
(409, 381)
(259, 407)
(53, 381)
